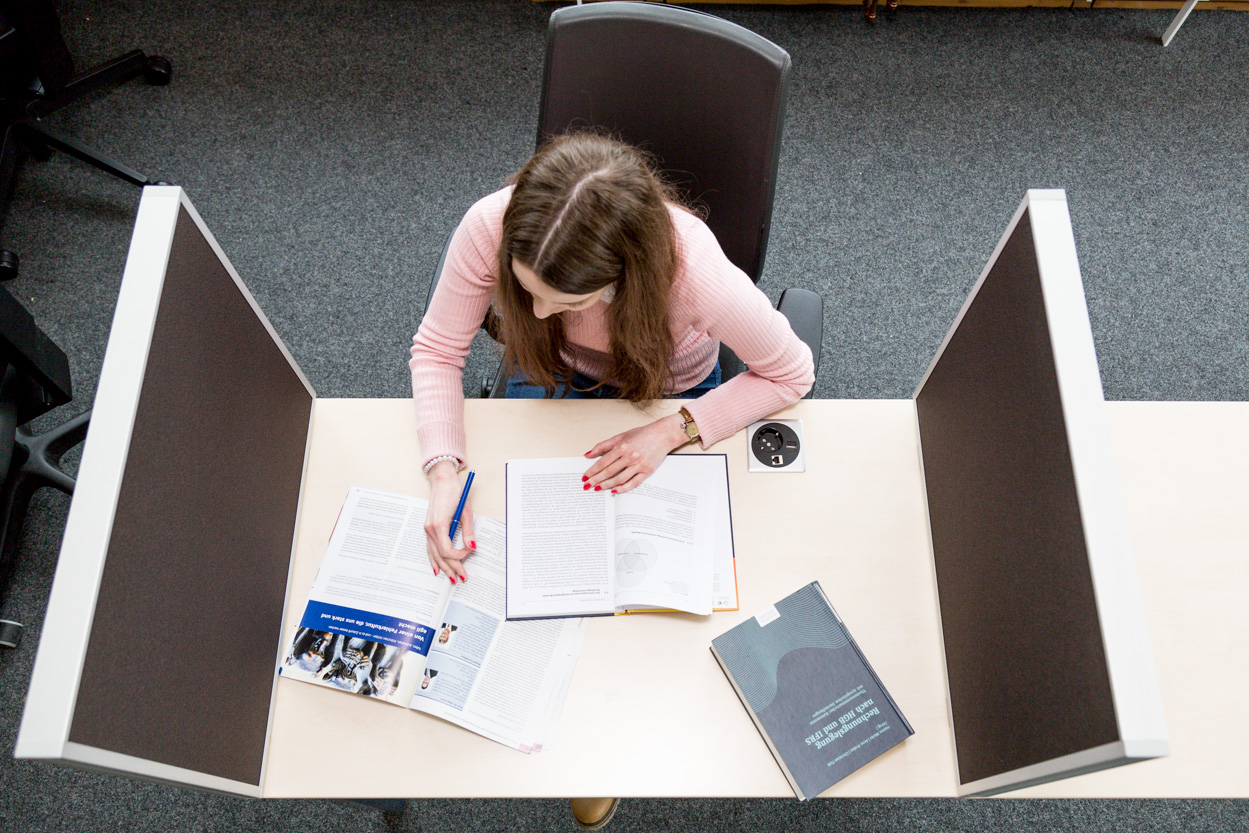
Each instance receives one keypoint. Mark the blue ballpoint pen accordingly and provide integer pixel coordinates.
(459, 510)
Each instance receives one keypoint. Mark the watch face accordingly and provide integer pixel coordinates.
(688, 426)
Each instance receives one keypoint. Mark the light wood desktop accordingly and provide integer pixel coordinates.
(649, 712)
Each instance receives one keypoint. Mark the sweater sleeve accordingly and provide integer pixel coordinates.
(441, 344)
(733, 310)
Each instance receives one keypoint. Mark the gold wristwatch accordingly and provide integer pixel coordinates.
(690, 429)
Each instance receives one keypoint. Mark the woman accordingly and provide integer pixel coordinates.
(604, 286)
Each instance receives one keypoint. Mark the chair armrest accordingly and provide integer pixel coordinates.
(805, 311)
(433, 282)
(490, 387)
(490, 323)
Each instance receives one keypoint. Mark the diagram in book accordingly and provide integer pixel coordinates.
(633, 559)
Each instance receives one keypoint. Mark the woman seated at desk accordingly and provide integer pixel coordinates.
(604, 286)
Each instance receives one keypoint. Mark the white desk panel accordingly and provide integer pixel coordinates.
(650, 714)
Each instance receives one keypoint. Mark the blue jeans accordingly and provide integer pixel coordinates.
(583, 387)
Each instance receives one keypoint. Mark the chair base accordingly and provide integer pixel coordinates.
(35, 463)
(10, 633)
(23, 132)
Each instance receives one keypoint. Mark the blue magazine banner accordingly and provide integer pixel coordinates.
(363, 624)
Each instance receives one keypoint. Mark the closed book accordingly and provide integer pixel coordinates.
(810, 691)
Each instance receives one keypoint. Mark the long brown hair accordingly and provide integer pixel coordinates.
(587, 212)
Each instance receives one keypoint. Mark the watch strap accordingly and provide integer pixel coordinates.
(689, 426)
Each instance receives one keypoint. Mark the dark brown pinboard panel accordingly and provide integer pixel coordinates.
(180, 664)
(1024, 653)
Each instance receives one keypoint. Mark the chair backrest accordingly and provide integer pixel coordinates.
(31, 46)
(704, 96)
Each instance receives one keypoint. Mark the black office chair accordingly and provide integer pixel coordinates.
(34, 379)
(705, 97)
(36, 79)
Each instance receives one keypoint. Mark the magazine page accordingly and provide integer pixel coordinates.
(544, 724)
(503, 680)
(665, 535)
(373, 607)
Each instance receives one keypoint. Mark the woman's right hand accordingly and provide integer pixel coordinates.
(444, 496)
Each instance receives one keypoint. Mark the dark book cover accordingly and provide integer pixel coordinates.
(813, 695)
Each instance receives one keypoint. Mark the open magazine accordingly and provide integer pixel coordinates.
(379, 623)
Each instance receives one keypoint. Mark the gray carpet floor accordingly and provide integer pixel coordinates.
(332, 146)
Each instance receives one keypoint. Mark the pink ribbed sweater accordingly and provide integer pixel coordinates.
(711, 301)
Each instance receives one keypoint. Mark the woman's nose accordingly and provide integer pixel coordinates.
(542, 309)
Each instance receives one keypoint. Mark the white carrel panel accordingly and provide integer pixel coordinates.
(158, 651)
(1049, 669)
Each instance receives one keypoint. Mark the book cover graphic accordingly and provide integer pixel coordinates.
(818, 703)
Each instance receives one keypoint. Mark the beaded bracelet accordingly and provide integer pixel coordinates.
(446, 458)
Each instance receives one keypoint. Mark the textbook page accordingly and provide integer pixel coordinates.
(667, 544)
(503, 680)
(559, 541)
(371, 612)
(665, 535)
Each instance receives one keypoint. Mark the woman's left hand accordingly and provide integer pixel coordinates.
(627, 459)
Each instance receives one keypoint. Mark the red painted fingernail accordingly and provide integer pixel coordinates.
(452, 579)
(598, 488)
(435, 571)
(584, 478)
(473, 544)
(613, 491)
(464, 578)
(586, 486)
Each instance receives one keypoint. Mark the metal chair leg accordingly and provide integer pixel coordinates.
(38, 133)
(34, 463)
(1178, 21)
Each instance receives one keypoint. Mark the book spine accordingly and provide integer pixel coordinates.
(728, 497)
(506, 535)
(762, 732)
(559, 616)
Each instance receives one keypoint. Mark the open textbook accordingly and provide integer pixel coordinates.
(666, 545)
(381, 624)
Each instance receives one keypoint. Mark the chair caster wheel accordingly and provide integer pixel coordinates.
(9, 264)
(10, 633)
(158, 71)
